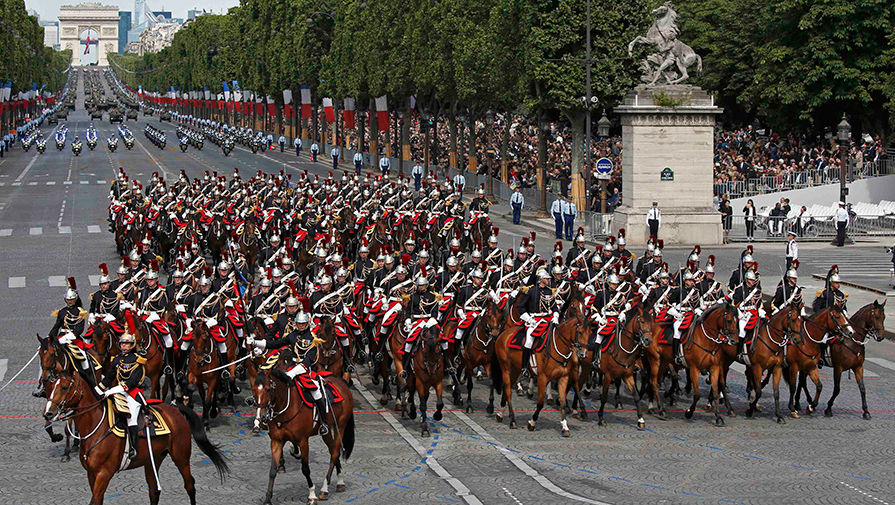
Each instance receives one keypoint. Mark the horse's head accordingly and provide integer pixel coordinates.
(52, 363)
(837, 321)
(872, 318)
(642, 320)
(726, 322)
(430, 348)
(65, 392)
(493, 319)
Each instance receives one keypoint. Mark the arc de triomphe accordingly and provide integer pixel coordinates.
(90, 30)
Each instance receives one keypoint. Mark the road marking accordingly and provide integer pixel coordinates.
(16, 282)
(27, 168)
(65, 230)
(738, 367)
(51, 183)
(57, 281)
(159, 165)
(17, 184)
(866, 495)
(2, 184)
(5, 232)
(429, 459)
(3, 364)
(881, 362)
(37, 230)
(85, 182)
(94, 280)
(101, 181)
(93, 228)
(67, 183)
(32, 183)
(522, 465)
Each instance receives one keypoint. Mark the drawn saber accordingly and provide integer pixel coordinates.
(20, 371)
(247, 356)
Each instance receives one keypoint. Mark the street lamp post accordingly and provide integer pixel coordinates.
(589, 100)
(603, 132)
(489, 119)
(844, 140)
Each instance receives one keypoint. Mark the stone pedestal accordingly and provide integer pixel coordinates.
(668, 129)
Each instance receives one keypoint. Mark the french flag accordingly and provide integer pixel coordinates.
(328, 109)
(382, 112)
(348, 113)
(305, 102)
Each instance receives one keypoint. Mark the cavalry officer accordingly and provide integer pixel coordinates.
(787, 289)
(69, 327)
(685, 305)
(417, 173)
(470, 301)
(423, 315)
(206, 304)
(315, 150)
(103, 302)
(747, 298)
(328, 303)
(153, 300)
(358, 162)
(129, 370)
(611, 304)
(538, 312)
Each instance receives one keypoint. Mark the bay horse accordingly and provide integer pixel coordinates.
(151, 348)
(659, 358)
(702, 350)
(805, 352)
(428, 373)
(289, 419)
(216, 238)
(767, 352)
(329, 353)
(480, 346)
(101, 454)
(203, 356)
(621, 356)
(556, 361)
(849, 353)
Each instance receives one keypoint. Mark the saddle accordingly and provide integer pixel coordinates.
(76, 353)
(117, 413)
(332, 394)
(518, 338)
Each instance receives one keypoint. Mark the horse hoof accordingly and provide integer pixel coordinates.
(425, 434)
(468, 409)
(795, 415)
(749, 413)
(828, 412)
(719, 421)
(323, 496)
(618, 406)
(641, 425)
(375, 380)
(566, 433)
(281, 468)
(731, 413)
(412, 414)
(688, 414)
(758, 408)
(56, 437)
(489, 409)
(256, 431)
(312, 501)
(809, 410)
(513, 425)
(601, 422)
(383, 400)
(498, 417)
(340, 488)
(780, 420)
(437, 416)
(866, 415)
(66, 458)
(531, 425)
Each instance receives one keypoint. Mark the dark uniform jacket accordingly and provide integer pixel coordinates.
(68, 318)
(129, 371)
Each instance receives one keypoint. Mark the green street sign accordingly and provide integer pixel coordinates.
(667, 174)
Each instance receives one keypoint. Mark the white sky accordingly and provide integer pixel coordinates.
(49, 9)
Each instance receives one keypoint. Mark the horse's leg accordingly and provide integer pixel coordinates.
(693, 380)
(618, 388)
(792, 381)
(422, 391)
(469, 384)
(632, 388)
(654, 385)
(715, 374)
(837, 379)
(543, 382)
(753, 381)
(562, 386)
(181, 460)
(508, 395)
(859, 378)
(439, 402)
(725, 393)
(306, 470)
(490, 408)
(101, 480)
(777, 372)
(66, 455)
(604, 394)
(818, 387)
(333, 446)
(151, 483)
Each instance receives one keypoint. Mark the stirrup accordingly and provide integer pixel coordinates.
(323, 430)
(744, 357)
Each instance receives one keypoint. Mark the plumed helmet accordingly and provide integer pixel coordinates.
(558, 269)
(613, 279)
(688, 276)
(523, 249)
(835, 278)
(747, 259)
(543, 274)
(792, 273)
(276, 272)
(104, 278)
(341, 272)
(750, 276)
(509, 262)
(325, 279)
(423, 254)
(400, 270)
(389, 259)
(224, 265)
(122, 269)
(274, 240)
(292, 301)
(455, 242)
(302, 318)
(265, 282)
(478, 274)
(422, 280)
(320, 252)
(476, 253)
(664, 275)
(363, 248)
(126, 338)
(452, 261)
(72, 292)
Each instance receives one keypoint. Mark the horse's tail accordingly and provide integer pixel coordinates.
(495, 372)
(348, 438)
(209, 449)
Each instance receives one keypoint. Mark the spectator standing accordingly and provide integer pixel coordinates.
(417, 173)
(384, 165)
(749, 219)
(315, 149)
(297, 144)
(517, 201)
(358, 162)
(654, 219)
(334, 152)
(569, 212)
(726, 217)
(460, 183)
(792, 248)
(802, 221)
(841, 224)
(282, 142)
(556, 210)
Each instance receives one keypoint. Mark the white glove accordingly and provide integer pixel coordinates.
(698, 312)
(117, 389)
(99, 391)
(674, 312)
(268, 321)
(259, 344)
(180, 307)
(555, 318)
(250, 340)
(153, 317)
(91, 318)
(228, 304)
(407, 324)
(257, 352)
(622, 317)
(211, 322)
(298, 369)
(526, 317)
(461, 314)
(761, 313)
(67, 338)
(108, 318)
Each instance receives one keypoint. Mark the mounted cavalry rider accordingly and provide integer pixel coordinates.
(493, 253)
(152, 302)
(470, 301)
(104, 301)
(747, 298)
(206, 304)
(422, 314)
(326, 303)
(69, 327)
(179, 291)
(265, 304)
(129, 370)
(610, 305)
(831, 296)
(539, 311)
(685, 306)
(651, 270)
(299, 337)
(788, 288)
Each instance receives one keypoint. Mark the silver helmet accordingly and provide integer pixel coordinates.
(292, 301)
(476, 253)
(422, 280)
(423, 254)
(224, 265)
(452, 261)
(401, 269)
(613, 279)
(543, 274)
(265, 282)
(325, 280)
(478, 274)
(750, 276)
(276, 272)
(302, 318)
(793, 273)
(558, 270)
(287, 261)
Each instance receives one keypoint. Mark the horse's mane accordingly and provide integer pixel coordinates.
(862, 312)
(713, 308)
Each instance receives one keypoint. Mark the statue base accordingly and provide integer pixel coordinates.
(668, 141)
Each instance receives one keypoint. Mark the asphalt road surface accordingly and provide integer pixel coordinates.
(52, 225)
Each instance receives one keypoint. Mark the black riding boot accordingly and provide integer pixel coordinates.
(598, 355)
(407, 362)
(824, 356)
(321, 416)
(676, 350)
(448, 365)
(742, 354)
(526, 358)
(169, 361)
(346, 359)
(222, 356)
(133, 436)
(179, 362)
